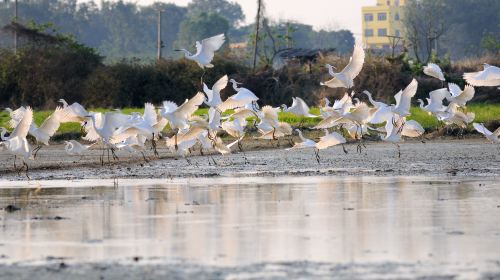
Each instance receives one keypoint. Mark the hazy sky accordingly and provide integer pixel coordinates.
(319, 13)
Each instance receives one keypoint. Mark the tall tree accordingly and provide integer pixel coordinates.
(230, 10)
(424, 25)
(201, 26)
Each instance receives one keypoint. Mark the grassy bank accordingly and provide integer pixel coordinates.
(484, 113)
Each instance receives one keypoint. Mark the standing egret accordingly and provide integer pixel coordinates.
(205, 51)
(102, 128)
(489, 77)
(345, 78)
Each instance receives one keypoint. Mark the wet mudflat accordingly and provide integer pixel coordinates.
(464, 157)
(252, 228)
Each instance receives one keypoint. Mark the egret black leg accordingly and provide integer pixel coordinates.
(144, 157)
(316, 152)
(27, 170)
(115, 157)
(36, 150)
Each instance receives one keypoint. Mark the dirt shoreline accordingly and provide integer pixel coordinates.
(463, 157)
(280, 270)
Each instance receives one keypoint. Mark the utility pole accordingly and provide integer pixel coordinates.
(15, 27)
(257, 23)
(159, 42)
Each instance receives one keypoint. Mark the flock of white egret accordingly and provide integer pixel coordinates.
(347, 117)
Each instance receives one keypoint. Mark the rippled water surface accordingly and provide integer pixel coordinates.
(235, 221)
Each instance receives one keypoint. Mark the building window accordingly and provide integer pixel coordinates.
(386, 47)
(382, 16)
(382, 32)
(388, 2)
(396, 3)
(368, 32)
(398, 33)
(368, 17)
(396, 17)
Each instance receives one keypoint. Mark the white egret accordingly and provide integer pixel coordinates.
(73, 113)
(43, 133)
(17, 144)
(205, 51)
(178, 116)
(381, 115)
(435, 101)
(304, 144)
(434, 71)
(213, 95)
(491, 136)
(299, 108)
(270, 127)
(141, 125)
(73, 147)
(345, 78)
(133, 144)
(403, 99)
(489, 77)
(400, 127)
(102, 128)
(459, 96)
(242, 98)
(453, 116)
(329, 140)
(376, 104)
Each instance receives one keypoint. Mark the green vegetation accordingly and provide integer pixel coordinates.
(484, 113)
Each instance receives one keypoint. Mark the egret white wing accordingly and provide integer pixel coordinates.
(190, 106)
(356, 63)
(23, 126)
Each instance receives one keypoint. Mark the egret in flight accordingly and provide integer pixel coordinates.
(489, 77)
(345, 78)
(205, 51)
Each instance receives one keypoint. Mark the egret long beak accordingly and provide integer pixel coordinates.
(177, 50)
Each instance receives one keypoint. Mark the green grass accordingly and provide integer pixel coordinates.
(484, 113)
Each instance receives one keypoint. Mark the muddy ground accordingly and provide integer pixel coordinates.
(462, 157)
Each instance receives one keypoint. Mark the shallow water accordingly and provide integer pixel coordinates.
(241, 221)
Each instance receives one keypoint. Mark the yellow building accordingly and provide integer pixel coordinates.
(381, 21)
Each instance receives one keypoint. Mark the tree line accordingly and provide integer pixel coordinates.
(124, 30)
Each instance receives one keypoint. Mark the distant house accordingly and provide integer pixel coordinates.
(382, 23)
